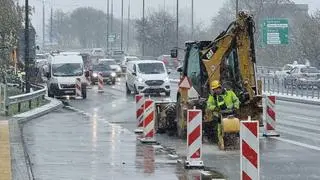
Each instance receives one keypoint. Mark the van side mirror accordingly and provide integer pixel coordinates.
(87, 74)
(174, 53)
(288, 72)
(47, 74)
(134, 73)
(179, 69)
(169, 72)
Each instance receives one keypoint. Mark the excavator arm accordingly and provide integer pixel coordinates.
(230, 58)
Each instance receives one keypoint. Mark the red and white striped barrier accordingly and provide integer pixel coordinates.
(100, 83)
(139, 112)
(78, 88)
(194, 139)
(149, 122)
(270, 116)
(249, 150)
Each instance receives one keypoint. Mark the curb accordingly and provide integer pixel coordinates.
(21, 165)
(40, 111)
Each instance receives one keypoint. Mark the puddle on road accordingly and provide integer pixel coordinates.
(150, 159)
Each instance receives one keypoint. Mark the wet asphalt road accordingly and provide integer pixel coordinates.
(84, 144)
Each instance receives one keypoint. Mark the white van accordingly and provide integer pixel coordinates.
(147, 76)
(62, 73)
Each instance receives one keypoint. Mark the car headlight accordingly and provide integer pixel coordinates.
(166, 79)
(118, 69)
(140, 80)
(95, 74)
(113, 74)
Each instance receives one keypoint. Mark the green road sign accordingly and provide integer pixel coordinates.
(275, 31)
(111, 37)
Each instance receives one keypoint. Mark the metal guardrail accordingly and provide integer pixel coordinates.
(6, 102)
(307, 89)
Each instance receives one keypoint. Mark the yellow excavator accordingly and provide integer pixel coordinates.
(230, 58)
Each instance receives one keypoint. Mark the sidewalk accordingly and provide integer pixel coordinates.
(5, 156)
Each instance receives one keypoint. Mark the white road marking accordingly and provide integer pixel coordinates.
(298, 143)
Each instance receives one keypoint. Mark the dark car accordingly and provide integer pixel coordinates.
(108, 75)
(302, 77)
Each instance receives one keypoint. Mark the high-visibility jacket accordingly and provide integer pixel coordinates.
(226, 101)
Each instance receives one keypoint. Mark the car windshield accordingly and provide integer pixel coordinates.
(132, 59)
(151, 68)
(101, 67)
(67, 69)
(41, 56)
(310, 70)
(110, 62)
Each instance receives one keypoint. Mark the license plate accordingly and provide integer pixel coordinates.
(68, 92)
(154, 87)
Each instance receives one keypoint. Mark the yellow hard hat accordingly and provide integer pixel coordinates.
(215, 84)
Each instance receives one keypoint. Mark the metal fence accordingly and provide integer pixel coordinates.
(7, 102)
(308, 89)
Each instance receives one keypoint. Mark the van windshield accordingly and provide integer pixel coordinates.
(67, 69)
(151, 68)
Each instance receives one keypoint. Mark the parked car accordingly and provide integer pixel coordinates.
(303, 76)
(113, 64)
(127, 59)
(147, 76)
(108, 75)
(283, 73)
(97, 52)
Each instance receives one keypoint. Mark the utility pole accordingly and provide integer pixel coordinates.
(237, 8)
(26, 47)
(143, 28)
(108, 25)
(51, 23)
(43, 23)
(121, 39)
(192, 19)
(111, 27)
(177, 28)
(128, 32)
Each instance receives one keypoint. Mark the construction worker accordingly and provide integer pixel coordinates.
(222, 99)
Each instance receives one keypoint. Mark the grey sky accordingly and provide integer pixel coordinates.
(204, 10)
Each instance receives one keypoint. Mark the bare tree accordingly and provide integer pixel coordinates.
(159, 31)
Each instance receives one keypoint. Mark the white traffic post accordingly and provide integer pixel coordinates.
(270, 116)
(78, 88)
(139, 112)
(149, 122)
(249, 150)
(100, 83)
(194, 139)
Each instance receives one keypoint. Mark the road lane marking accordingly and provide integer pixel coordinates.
(5, 156)
(298, 133)
(297, 143)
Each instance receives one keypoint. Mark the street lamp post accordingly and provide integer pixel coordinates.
(177, 28)
(108, 2)
(121, 39)
(237, 7)
(26, 48)
(128, 33)
(192, 19)
(143, 28)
